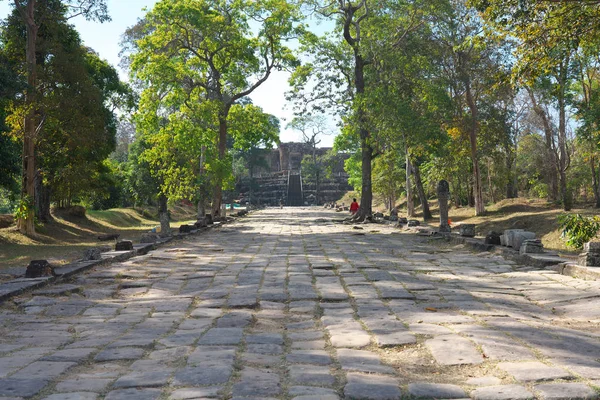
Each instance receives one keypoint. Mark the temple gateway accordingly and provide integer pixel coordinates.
(280, 178)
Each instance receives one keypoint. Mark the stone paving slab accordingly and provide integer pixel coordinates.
(565, 391)
(371, 387)
(436, 391)
(533, 371)
(287, 304)
(502, 392)
(454, 350)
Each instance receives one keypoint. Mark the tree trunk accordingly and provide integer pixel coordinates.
(218, 190)
(490, 184)
(595, 181)
(477, 190)
(366, 195)
(317, 173)
(565, 195)
(410, 203)
(26, 224)
(421, 191)
(163, 216)
(550, 151)
(511, 187)
(42, 201)
(201, 191)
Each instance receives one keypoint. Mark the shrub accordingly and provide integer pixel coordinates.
(578, 229)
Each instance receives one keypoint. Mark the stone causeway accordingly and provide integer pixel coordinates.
(293, 304)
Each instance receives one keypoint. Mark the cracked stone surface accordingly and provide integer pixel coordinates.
(290, 304)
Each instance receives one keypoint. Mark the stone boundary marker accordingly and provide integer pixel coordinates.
(20, 285)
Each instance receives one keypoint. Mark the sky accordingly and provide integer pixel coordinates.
(105, 38)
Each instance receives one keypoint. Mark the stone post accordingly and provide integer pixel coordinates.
(591, 255)
(443, 192)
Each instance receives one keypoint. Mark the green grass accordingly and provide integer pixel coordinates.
(66, 238)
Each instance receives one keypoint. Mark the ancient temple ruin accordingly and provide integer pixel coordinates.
(282, 180)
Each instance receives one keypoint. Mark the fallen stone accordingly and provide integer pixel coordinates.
(492, 238)
(507, 238)
(531, 246)
(124, 245)
(592, 247)
(519, 237)
(149, 238)
(589, 259)
(413, 223)
(467, 230)
(92, 254)
(38, 269)
(186, 228)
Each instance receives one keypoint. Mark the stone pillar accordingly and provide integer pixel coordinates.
(591, 255)
(443, 192)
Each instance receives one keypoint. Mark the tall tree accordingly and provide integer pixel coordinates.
(76, 97)
(221, 51)
(33, 19)
(473, 58)
(548, 35)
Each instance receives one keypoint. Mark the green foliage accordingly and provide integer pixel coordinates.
(77, 94)
(23, 209)
(196, 61)
(578, 229)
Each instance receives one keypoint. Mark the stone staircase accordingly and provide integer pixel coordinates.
(294, 197)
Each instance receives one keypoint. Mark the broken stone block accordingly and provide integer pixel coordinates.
(591, 255)
(413, 222)
(492, 238)
(589, 260)
(39, 268)
(531, 246)
(467, 230)
(124, 245)
(519, 237)
(149, 237)
(591, 247)
(92, 254)
(186, 228)
(402, 220)
(508, 236)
